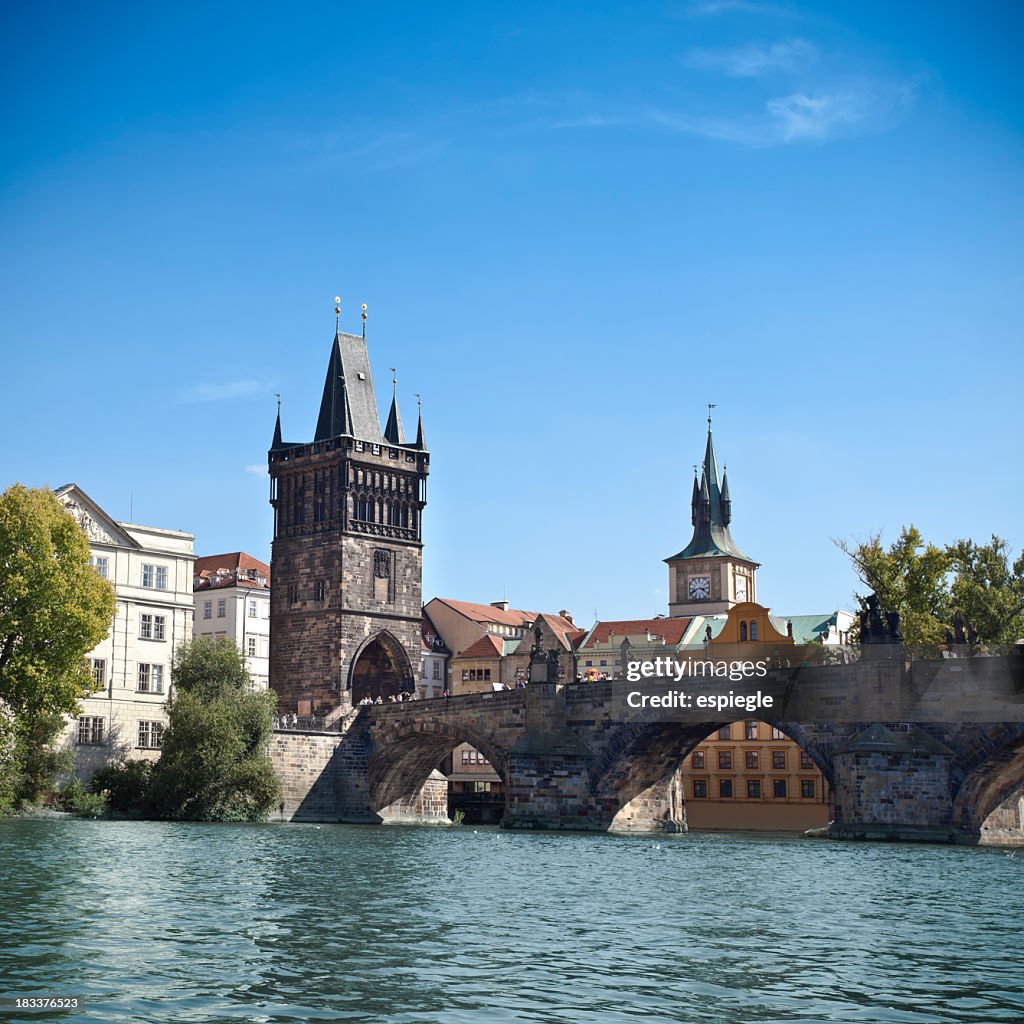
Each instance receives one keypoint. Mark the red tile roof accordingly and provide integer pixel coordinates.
(563, 628)
(671, 629)
(430, 638)
(488, 613)
(234, 569)
(486, 647)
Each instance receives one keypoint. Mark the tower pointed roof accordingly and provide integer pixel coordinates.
(348, 405)
(419, 428)
(695, 499)
(276, 443)
(711, 513)
(394, 431)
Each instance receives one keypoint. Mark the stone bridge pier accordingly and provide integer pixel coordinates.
(571, 760)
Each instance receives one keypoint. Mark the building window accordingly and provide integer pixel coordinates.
(99, 672)
(743, 632)
(725, 789)
(807, 789)
(293, 593)
(476, 675)
(151, 678)
(750, 730)
(90, 730)
(725, 759)
(154, 577)
(805, 761)
(151, 734)
(753, 629)
(320, 590)
(697, 759)
(753, 789)
(725, 733)
(700, 789)
(473, 757)
(251, 646)
(207, 609)
(222, 607)
(751, 759)
(779, 789)
(151, 627)
(253, 609)
(437, 670)
(778, 734)
(102, 566)
(779, 760)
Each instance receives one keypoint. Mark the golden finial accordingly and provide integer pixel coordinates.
(337, 313)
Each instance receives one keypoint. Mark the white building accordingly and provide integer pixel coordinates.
(151, 570)
(433, 655)
(232, 595)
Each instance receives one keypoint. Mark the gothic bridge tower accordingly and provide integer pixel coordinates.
(346, 567)
(710, 574)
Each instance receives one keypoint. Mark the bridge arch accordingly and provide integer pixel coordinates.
(404, 754)
(635, 776)
(990, 770)
(380, 668)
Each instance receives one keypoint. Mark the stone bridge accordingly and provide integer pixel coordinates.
(913, 751)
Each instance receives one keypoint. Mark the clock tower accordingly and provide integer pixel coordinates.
(710, 574)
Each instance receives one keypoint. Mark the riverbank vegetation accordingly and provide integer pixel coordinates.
(54, 609)
(214, 764)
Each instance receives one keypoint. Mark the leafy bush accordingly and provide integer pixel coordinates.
(125, 787)
(76, 798)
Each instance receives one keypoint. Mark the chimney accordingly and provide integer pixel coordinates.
(503, 605)
(565, 615)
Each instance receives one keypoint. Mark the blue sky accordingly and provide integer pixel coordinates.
(574, 225)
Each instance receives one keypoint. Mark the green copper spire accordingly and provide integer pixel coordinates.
(711, 512)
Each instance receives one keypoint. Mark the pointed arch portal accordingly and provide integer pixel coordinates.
(380, 669)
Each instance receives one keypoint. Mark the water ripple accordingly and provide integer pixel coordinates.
(203, 923)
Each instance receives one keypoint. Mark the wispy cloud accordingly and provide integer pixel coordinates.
(800, 116)
(806, 116)
(753, 60)
(710, 8)
(256, 468)
(222, 390)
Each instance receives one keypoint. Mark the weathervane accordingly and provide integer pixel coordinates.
(278, 397)
(337, 313)
(394, 378)
(364, 321)
(711, 405)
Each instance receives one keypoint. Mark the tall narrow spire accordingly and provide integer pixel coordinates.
(394, 431)
(276, 443)
(710, 510)
(419, 425)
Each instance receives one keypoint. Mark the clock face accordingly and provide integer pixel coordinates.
(741, 588)
(700, 587)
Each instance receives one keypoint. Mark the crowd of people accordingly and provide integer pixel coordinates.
(395, 698)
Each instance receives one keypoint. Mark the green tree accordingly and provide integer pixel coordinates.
(988, 590)
(214, 764)
(54, 609)
(911, 578)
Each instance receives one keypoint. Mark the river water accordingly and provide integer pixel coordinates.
(183, 922)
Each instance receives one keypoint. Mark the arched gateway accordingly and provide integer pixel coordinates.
(380, 669)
